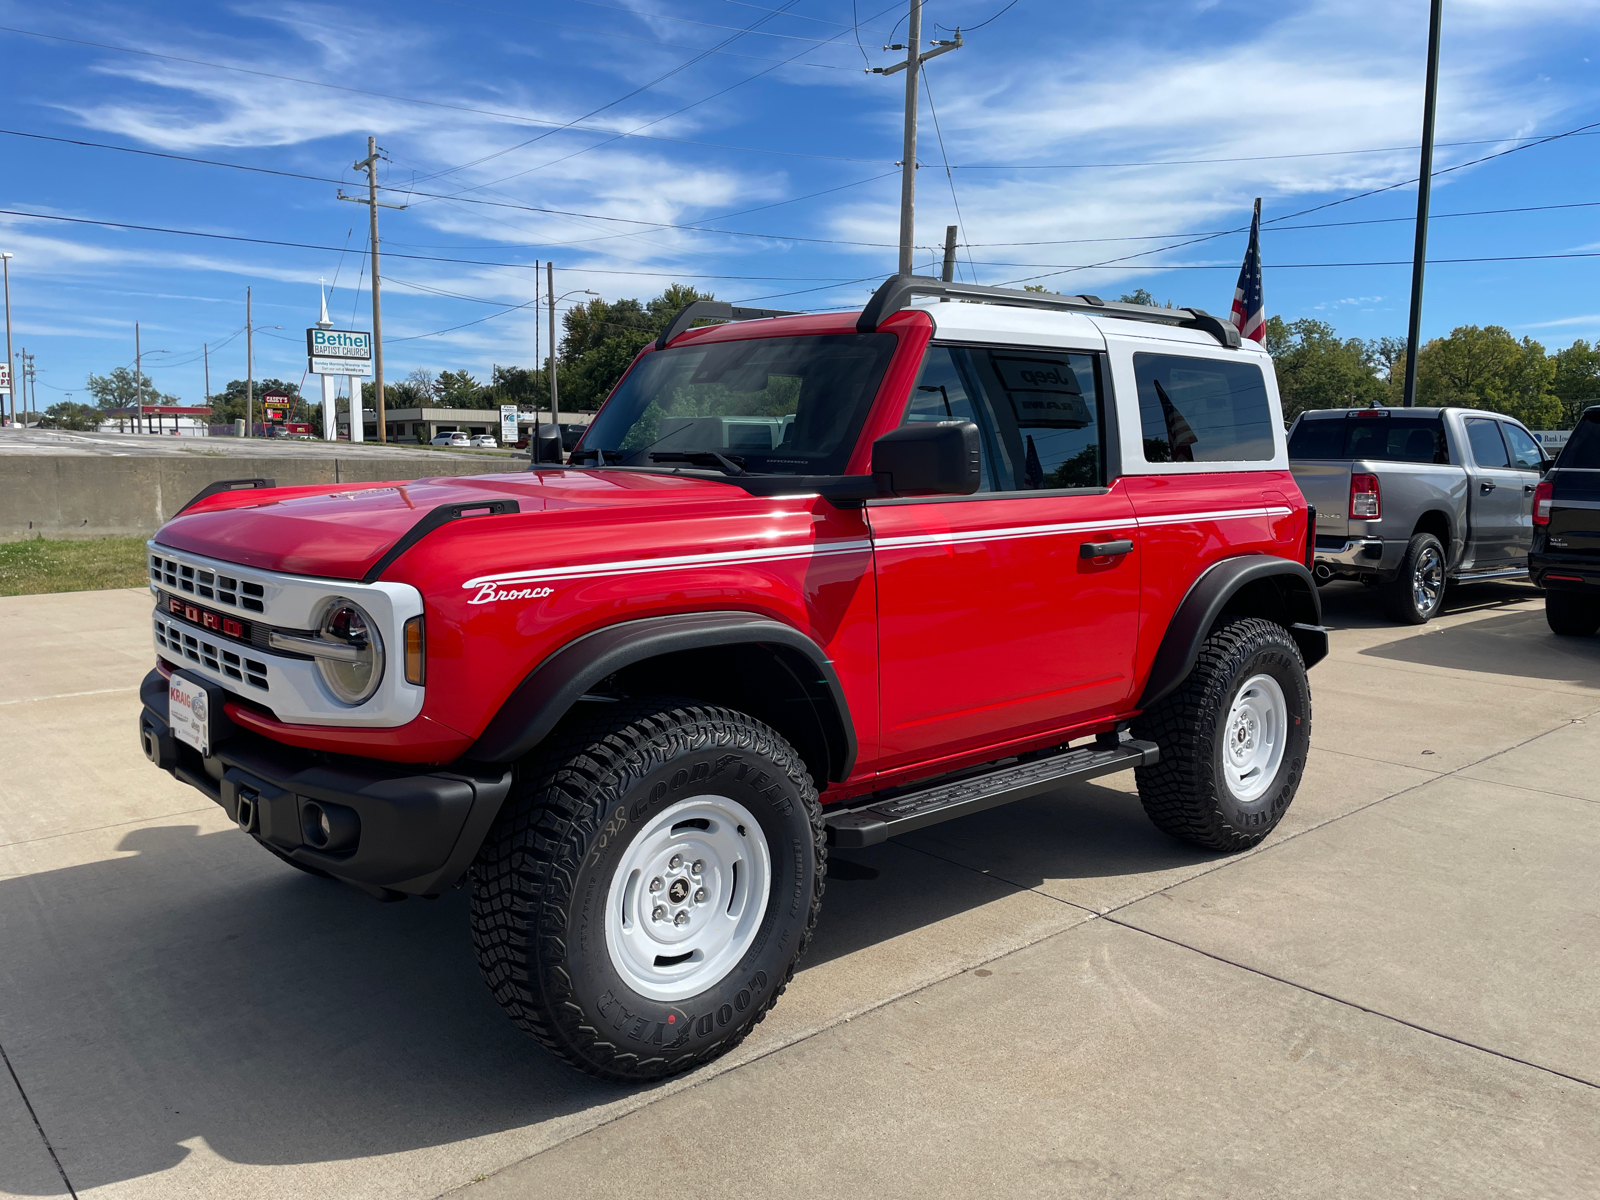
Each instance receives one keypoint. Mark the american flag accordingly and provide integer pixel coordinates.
(1249, 314)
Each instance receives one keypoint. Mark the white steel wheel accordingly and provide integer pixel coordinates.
(688, 898)
(1254, 737)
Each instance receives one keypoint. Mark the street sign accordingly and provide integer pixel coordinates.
(508, 424)
(338, 343)
(5, 378)
(340, 366)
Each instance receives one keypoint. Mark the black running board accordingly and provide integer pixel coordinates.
(881, 819)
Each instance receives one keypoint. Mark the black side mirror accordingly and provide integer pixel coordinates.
(938, 458)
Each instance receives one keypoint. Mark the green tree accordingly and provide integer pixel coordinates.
(228, 405)
(120, 389)
(71, 415)
(1318, 369)
(1140, 296)
(1489, 368)
(602, 338)
(1577, 380)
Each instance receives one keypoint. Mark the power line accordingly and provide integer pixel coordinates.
(1318, 207)
(681, 67)
(634, 12)
(1399, 262)
(470, 262)
(639, 128)
(939, 133)
(1186, 162)
(996, 17)
(466, 108)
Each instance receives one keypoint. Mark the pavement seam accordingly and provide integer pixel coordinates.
(1500, 680)
(49, 837)
(717, 1071)
(70, 695)
(1172, 941)
(28, 1104)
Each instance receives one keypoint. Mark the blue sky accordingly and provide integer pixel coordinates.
(491, 110)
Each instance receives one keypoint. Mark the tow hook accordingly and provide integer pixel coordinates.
(248, 799)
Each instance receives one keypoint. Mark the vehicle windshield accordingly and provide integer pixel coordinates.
(776, 405)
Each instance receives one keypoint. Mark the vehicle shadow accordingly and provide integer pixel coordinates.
(1514, 643)
(1349, 605)
(195, 988)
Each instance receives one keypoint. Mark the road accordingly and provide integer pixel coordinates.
(60, 441)
(1394, 995)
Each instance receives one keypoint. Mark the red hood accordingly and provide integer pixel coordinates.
(340, 533)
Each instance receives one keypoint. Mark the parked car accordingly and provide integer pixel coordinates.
(484, 441)
(1565, 560)
(451, 439)
(1411, 499)
(630, 701)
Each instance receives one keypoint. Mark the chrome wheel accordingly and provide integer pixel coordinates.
(688, 897)
(1427, 580)
(1256, 731)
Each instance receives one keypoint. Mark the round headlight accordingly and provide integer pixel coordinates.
(353, 675)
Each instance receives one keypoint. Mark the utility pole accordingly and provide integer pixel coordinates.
(908, 162)
(138, 372)
(249, 369)
(1424, 191)
(370, 165)
(555, 404)
(205, 351)
(11, 364)
(949, 272)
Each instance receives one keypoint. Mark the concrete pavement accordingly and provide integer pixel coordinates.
(1393, 995)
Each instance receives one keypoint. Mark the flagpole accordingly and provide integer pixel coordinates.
(1424, 189)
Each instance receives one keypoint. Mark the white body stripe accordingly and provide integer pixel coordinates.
(638, 566)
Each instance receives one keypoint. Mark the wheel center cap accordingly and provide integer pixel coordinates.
(679, 891)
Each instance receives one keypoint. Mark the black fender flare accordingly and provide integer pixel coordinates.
(1221, 584)
(561, 679)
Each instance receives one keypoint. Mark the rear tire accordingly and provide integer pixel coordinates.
(646, 891)
(1572, 614)
(1233, 739)
(1417, 594)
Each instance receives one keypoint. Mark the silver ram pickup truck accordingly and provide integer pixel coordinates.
(1408, 499)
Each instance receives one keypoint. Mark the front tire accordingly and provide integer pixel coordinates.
(1417, 594)
(1233, 737)
(644, 896)
(1572, 614)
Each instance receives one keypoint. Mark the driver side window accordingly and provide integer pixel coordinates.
(1038, 412)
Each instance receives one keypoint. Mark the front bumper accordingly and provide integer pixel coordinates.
(414, 832)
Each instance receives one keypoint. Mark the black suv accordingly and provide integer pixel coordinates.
(1565, 558)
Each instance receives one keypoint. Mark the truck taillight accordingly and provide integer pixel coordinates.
(1365, 502)
(1542, 496)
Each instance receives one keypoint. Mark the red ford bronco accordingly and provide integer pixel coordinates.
(805, 581)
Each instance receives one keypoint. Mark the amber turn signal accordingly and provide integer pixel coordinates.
(416, 652)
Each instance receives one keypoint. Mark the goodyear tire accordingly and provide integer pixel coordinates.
(644, 896)
(1571, 614)
(1417, 593)
(1233, 739)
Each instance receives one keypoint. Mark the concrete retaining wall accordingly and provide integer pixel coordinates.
(91, 496)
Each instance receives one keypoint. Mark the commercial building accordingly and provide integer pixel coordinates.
(422, 425)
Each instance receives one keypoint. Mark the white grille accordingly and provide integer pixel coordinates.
(197, 648)
(231, 590)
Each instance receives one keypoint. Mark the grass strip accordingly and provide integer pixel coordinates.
(39, 565)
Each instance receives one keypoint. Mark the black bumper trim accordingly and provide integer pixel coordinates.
(419, 829)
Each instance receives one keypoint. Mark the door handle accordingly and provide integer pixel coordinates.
(1527, 489)
(1105, 549)
(1486, 487)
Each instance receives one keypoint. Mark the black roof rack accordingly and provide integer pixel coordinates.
(897, 291)
(714, 310)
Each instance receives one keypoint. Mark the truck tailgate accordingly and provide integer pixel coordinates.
(1326, 484)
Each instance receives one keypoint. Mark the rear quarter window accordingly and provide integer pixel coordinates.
(1583, 447)
(1197, 410)
(1318, 437)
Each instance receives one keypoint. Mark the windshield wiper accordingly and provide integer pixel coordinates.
(701, 458)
